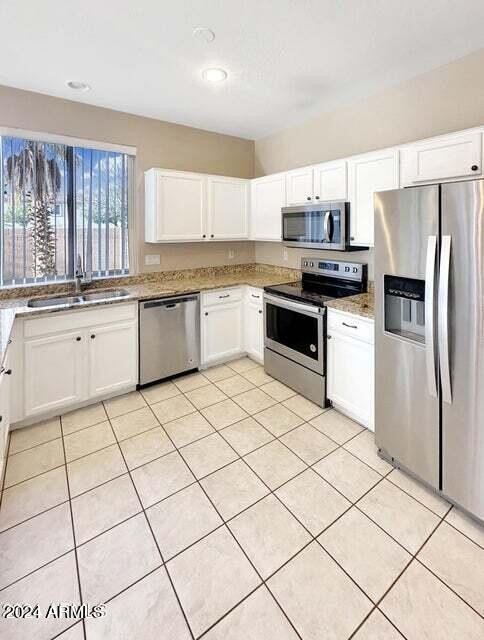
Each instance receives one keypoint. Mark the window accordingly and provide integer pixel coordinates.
(59, 202)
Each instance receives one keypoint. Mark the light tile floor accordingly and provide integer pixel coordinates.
(224, 505)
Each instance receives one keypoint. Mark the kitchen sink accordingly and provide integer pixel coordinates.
(55, 301)
(105, 295)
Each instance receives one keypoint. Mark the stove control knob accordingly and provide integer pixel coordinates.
(312, 348)
(311, 264)
(347, 269)
(355, 269)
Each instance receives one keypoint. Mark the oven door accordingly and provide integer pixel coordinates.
(321, 226)
(296, 331)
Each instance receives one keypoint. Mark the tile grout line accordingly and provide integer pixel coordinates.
(73, 532)
(239, 457)
(147, 520)
(224, 524)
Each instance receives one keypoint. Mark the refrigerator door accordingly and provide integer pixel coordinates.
(406, 388)
(461, 342)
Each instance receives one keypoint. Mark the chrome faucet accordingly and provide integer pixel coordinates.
(80, 276)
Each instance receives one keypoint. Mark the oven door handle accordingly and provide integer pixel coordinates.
(297, 306)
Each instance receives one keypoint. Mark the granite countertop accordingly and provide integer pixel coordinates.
(360, 305)
(143, 287)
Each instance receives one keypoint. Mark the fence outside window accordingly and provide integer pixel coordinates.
(59, 201)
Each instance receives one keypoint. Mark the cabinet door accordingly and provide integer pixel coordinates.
(4, 415)
(350, 374)
(446, 158)
(368, 174)
(254, 324)
(299, 185)
(112, 358)
(268, 196)
(221, 332)
(331, 181)
(175, 206)
(228, 211)
(54, 372)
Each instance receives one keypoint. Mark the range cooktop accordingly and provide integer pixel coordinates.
(323, 281)
(300, 291)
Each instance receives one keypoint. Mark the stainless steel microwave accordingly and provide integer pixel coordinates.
(325, 225)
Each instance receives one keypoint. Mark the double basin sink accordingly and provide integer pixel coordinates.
(95, 296)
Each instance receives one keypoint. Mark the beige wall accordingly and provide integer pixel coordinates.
(446, 99)
(159, 144)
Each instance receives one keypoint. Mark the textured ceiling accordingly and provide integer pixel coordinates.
(287, 59)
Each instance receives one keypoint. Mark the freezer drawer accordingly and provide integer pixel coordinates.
(169, 337)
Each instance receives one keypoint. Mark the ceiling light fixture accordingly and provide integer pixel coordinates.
(204, 34)
(78, 86)
(214, 75)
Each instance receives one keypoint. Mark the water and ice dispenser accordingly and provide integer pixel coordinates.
(405, 308)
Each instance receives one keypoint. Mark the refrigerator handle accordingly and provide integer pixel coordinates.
(444, 319)
(430, 316)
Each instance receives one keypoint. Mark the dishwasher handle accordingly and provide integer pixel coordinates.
(169, 303)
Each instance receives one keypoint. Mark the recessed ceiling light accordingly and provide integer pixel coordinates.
(214, 75)
(78, 86)
(204, 34)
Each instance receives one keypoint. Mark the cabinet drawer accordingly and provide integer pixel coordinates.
(78, 319)
(351, 325)
(221, 296)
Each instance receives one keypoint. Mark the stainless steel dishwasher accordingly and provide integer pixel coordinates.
(169, 337)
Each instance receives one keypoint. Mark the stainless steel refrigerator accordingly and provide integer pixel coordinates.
(429, 336)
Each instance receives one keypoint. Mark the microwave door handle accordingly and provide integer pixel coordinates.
(430, 315)
(327, 222)
(444, 281)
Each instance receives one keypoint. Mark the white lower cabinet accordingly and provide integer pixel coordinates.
(53, 372)
(112, 358)
(350, 366)
(4, 414)
(70, 358)
(254, 324)
(221, 325)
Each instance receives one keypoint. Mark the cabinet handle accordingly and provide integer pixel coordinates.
(211, 235)
(474, 167)
(78, 338)
(350, 326)
(308, 198)
(8, 372)
(227, 295)
(352, 238)
(329, 337)
(1, 418)
(257, 297)
(204, 235)
(260, 310)
(206, 313)
(93, 335)
(317, 197)
(9, 341)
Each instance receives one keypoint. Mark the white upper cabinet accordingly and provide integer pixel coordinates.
(175, 206)
(330, 181)
(190, 207)
(367, 174)
(268, 196)
(445, 158)
(228, 208)
(299, 186)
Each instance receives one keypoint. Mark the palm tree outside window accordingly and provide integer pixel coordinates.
(58, 201)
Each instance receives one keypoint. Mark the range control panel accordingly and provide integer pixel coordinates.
(334, 268)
